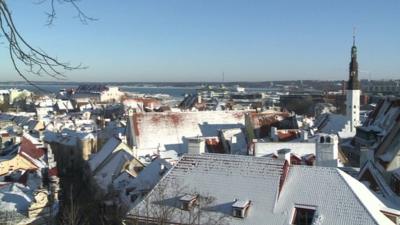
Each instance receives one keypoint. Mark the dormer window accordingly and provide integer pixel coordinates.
(188, 201)
(303, 215)
(240, 208)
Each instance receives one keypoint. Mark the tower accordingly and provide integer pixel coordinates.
(353, 90)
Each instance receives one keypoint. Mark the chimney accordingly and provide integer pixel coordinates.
(284, 154)
(163, 169)
(196, 145)
(327, 150)
(304, 135)
(274, 134)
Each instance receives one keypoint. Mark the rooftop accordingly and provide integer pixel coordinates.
(273, 189)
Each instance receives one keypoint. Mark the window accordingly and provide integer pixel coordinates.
(303, 215)
(328, 139)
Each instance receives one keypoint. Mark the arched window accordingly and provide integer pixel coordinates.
(328, 139)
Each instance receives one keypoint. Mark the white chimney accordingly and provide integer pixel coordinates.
(327, 150)
(274, 134)
(304, 135)
(196, 145)
(284, 154)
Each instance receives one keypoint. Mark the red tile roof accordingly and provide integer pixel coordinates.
(30, 149)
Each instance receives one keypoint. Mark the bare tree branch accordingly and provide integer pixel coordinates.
(27, 59)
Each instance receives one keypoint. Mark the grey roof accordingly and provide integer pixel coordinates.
(225, 177)
(337, 197)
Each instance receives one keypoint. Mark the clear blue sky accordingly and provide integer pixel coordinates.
(196, 40)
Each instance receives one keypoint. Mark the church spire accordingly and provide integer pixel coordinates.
(353, 83)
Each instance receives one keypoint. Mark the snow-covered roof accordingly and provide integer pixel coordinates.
(369, 173)
(336, 197)
(168, 129)
(111, 168)
(15, 197)
(348, 201)
(298, 148)
(255, 179)
(330, 123)
(145, 181)
(67, 136)
(107, 149)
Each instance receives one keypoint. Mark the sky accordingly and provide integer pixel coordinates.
(199, 40)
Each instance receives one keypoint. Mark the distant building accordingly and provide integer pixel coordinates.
(383, 87)
(353, 91)
(97, 93)
(17, 94)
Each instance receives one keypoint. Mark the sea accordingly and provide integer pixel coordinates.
(175, 92)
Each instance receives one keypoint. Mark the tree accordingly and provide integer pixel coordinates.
(24, 56)
(162, 207)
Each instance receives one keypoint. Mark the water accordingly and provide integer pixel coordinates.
(54, 88)
(174, 92)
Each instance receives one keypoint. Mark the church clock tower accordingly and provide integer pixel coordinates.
(353, 90)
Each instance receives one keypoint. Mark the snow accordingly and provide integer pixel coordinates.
(109, 147)
(15, 197)
(257, 179)
(331, 123)
(106, 173)
(367, 198)
(146, 180)
(168, 129)
(298, 148)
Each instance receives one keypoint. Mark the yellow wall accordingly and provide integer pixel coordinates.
(17, 162)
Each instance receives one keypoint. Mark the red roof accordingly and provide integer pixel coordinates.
(30, 149)
(287, 135)
(214, 145)
(53, 172)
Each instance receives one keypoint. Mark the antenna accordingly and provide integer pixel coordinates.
(354, 36)
(223, 77)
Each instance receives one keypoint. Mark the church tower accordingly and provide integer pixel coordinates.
(353, 90)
